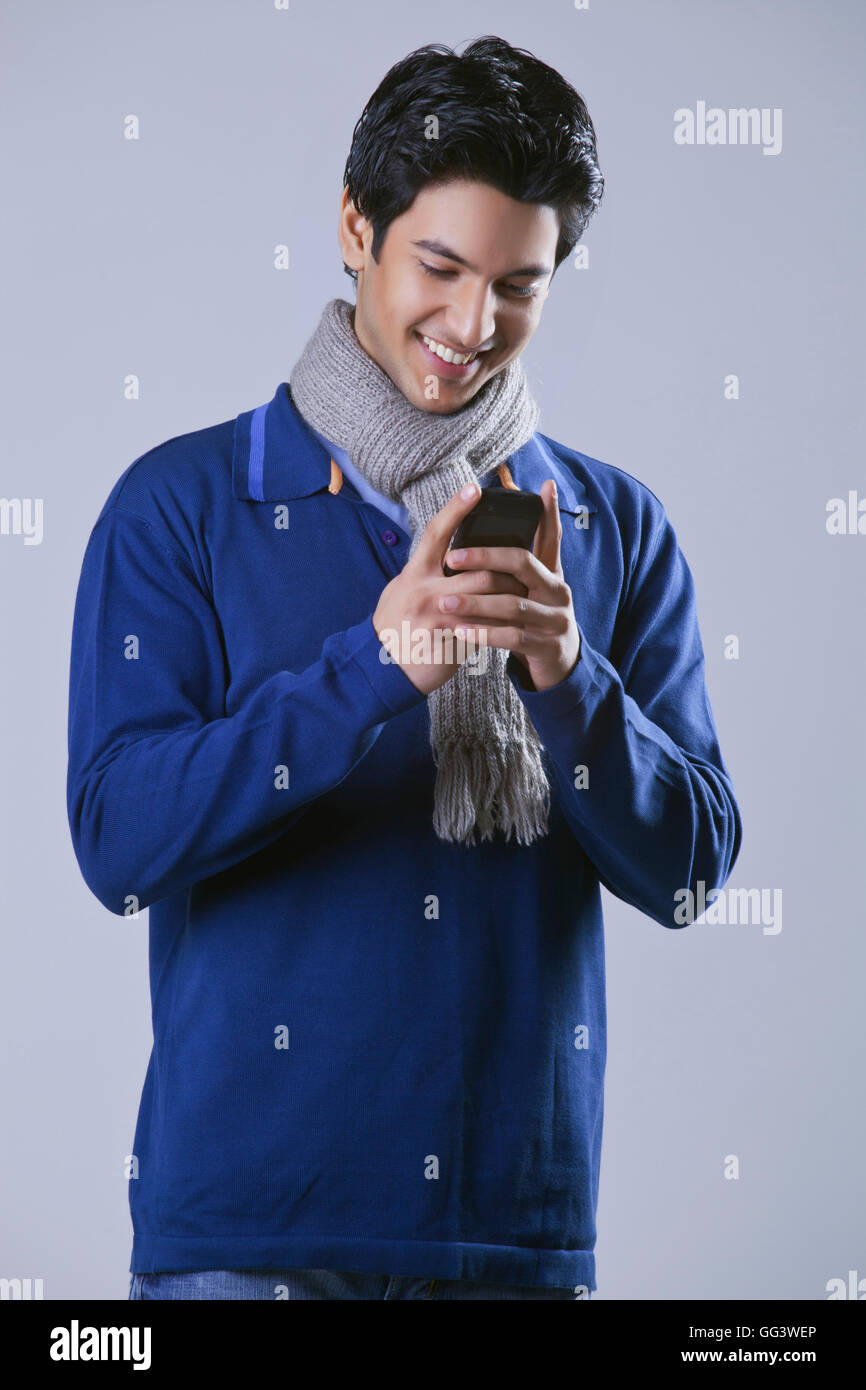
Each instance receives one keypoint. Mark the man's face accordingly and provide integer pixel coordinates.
(490, 304)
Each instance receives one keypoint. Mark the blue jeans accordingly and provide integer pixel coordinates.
(328, 1284)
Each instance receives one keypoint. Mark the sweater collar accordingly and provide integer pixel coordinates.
(277, 457)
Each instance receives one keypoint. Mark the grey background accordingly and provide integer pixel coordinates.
(155, 257)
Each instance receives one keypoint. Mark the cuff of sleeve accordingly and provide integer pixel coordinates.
(386, 678)
(571, 691)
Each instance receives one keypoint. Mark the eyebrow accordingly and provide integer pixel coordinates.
(438, 248)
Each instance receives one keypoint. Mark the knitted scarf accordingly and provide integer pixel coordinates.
(489, 772)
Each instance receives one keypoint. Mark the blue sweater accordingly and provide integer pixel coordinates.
(372, 1050)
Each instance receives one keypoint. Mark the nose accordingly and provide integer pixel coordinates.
(471, 318)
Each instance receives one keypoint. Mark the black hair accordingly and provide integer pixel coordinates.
(504, 118)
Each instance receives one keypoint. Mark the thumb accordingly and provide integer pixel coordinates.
(437, 534)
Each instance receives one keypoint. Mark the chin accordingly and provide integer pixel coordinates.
(442, 407)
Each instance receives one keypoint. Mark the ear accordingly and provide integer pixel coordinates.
(351, 227)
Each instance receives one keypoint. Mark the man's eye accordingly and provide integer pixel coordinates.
(522, 291)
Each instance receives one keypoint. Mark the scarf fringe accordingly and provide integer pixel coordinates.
(497, 786)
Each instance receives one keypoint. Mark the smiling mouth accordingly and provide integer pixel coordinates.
(451, 355)
(448, 365)
(447, 354)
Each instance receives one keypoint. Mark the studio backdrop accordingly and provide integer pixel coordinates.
(172, 177)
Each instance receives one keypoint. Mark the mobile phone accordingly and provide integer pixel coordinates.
(501, 516)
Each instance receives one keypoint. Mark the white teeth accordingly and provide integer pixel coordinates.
(447, 354)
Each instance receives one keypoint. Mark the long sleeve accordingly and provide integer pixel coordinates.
(658, 814)
(163, 788)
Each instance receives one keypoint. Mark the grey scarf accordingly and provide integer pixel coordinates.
(487, 754)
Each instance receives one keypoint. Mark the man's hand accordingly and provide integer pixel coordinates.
(536, 621)
(413, 595)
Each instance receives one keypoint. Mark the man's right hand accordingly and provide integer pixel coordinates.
(413, 596)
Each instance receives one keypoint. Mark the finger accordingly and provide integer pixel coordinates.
(479, 582)
(501, 610)
(549, 533)
(509, 559)
(437, 534)
(510, 638)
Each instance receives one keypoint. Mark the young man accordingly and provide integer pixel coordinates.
(373, 866)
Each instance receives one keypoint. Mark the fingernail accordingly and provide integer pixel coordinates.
(469, 490)
(457, 555)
